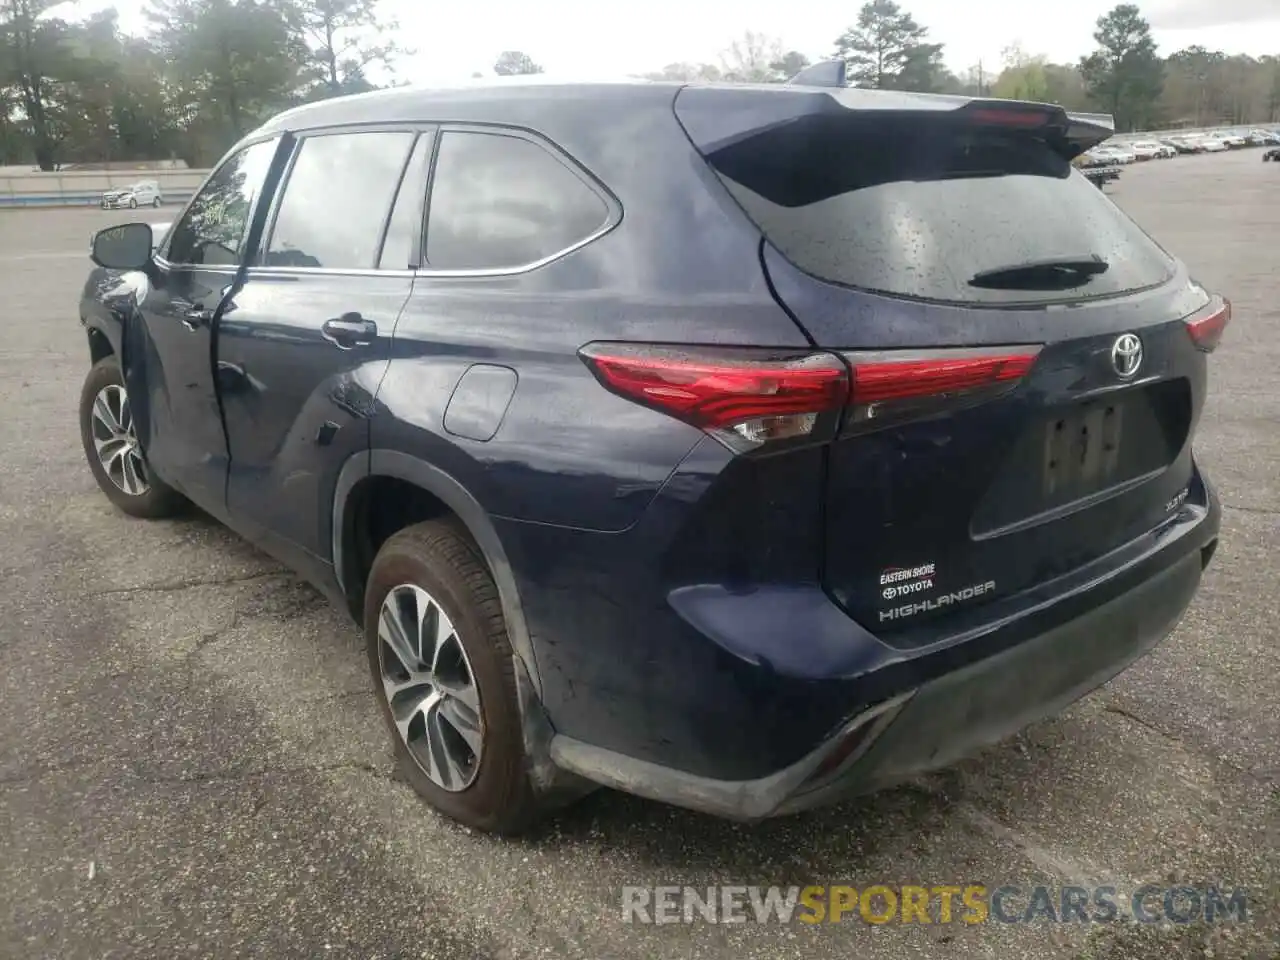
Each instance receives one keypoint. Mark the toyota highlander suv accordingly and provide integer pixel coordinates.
(738, 447)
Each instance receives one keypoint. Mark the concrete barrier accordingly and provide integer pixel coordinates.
(80, 188)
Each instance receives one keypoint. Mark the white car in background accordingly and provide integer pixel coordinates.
(1151, 150)
(144, 193)
(1212, 144)
(1230, 139)
(1119, 152)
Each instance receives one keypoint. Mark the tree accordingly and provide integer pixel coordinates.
(1124, 75)
(751, 58)
(514, 63)
(1195, 88)
(1024, 76)
(35, 60)
(1272, 66)
(116, 86)
(1065, 86)
(232, 63)
(686, 72)
(887, 50)
(923, 70)
(342, 39)
(789, 64)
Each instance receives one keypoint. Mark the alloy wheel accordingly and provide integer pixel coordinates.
(430, 688)
(116, 442)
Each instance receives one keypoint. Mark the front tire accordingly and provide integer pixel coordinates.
(133, 203)
(155, 202)
(111, 447)
(444, 675)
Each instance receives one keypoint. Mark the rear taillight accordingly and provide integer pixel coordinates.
(899, 385)
(746, 397)
(1207, 326)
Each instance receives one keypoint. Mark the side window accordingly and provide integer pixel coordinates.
(501, 202)
(337, 199)
(212, 232)
(401, 248)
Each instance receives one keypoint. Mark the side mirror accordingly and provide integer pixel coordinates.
(126, 247)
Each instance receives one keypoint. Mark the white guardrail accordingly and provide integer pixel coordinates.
(84, 188)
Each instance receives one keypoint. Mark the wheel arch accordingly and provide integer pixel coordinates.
(100, 345)
(453, 496)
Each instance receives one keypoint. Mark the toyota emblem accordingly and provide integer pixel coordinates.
(1126, 355)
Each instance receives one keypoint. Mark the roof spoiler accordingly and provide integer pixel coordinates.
(1083, 130)
(1090, 129)
(828, 73)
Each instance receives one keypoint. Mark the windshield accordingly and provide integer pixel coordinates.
(918, 208)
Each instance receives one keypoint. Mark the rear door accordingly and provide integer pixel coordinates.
(304, 344)
(1025, 388)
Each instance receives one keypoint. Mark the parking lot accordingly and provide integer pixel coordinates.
(191, 762)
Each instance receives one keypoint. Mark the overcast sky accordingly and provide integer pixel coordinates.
(610, 37)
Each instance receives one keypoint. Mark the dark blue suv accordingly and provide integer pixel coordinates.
(739, 447)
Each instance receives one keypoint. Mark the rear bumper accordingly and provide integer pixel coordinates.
(938, 705)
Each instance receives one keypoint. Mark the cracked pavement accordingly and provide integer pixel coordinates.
(191, 763)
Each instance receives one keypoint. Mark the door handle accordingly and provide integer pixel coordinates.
(196, 316)
(349, 330)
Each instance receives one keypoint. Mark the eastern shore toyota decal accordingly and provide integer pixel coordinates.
(897, 583)
(900, 581)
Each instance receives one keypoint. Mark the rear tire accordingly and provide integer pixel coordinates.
(448, 690)
(133, 203)
(111, 447)
(155, 202)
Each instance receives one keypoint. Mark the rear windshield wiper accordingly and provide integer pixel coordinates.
(1057, 273)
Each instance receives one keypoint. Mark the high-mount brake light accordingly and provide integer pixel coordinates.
(1011, 117)
(907, 384)
(1207, 326)
(745, 397)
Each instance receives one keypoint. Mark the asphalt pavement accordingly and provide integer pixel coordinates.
(191, 762)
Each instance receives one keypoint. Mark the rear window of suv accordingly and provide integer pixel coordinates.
(918, 207)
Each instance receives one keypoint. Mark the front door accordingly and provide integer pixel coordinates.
(302, 348)
(168, 354)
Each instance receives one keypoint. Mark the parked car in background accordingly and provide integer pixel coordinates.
(636, 464)
(1151, 150)
(144, 193)
(1263, 138)
(1144, 149)
(1212, 144)
(1113, 153)
(1181, 145)
(1233, 141)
